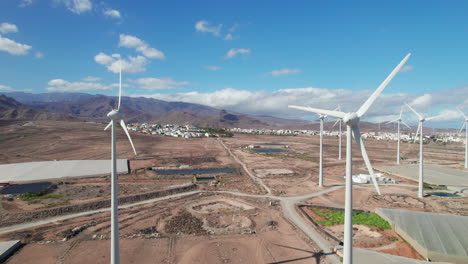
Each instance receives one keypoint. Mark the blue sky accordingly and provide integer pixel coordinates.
(248, 56)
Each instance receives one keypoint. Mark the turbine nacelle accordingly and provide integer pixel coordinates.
(115, 115)
(351, 119)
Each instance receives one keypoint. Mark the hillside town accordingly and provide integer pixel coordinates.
(390, 136)
(191, 131)
(173, 130)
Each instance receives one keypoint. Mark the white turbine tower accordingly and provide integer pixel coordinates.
(465, 125)
(422, 119)
(116, 115)
(352, 127)
(322, 117)
(339, 121)
(399, 121)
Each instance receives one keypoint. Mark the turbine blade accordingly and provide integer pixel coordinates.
(401, 112)
(319, 111)
(417, 131)
(392, 121)
(434, 117)
(107, 127)
(360, 143)
(412, 109)
(463, 125)
(337, 121)
(461, 112)
(122, 124)
(382, 86)
(403, 122)
(120, 83)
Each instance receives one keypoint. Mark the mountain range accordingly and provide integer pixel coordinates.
(88, 107)
(82, 106)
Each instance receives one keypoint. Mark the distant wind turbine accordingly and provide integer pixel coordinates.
(399, 121)
(115, 115)
(339, 121)
(322, 117)
(422, 119)
(352, 127)
(465, 125)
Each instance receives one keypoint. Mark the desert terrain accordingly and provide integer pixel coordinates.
(248, 216)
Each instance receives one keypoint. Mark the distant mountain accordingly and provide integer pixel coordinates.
(141, 109)
(72, 106)
(10, 109)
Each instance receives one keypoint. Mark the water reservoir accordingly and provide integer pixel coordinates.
(196, 171)
(265, 150)
(444, 194)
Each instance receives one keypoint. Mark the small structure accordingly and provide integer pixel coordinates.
(41, 170)
(205, 179)
(437, 237)
(7, 248)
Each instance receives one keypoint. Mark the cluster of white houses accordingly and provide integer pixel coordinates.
(408, 136)
(171, 130)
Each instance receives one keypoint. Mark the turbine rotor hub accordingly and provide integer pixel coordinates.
(115, 115)
(351, 119)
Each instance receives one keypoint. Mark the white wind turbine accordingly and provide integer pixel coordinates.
(399, 121)
(115, 115)
(465, 125)
(322, 117)
(339, 121)
(422, 119)
(352, 127)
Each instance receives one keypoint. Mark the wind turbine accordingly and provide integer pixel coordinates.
(422, 119)
(352, 127)
(465, 125)
(115, 115)
(322, 117)
(399, 121)
(339, 121)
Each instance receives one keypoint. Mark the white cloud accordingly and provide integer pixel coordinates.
(448, 114)
(5, 88)
(233, 52)
(228, 37)
(213, 68)
(129, 41)
(275, 103)
(284, 72)
(204, 26)
(406, 68)
(8, 28)
(131, 65)
(112, 13)
(13, 47)
(234, 28)
(91, 79)
(24, 3)
(77, 6)
(158, 84)
(60, 85)
(38, 55)
(422, 101)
